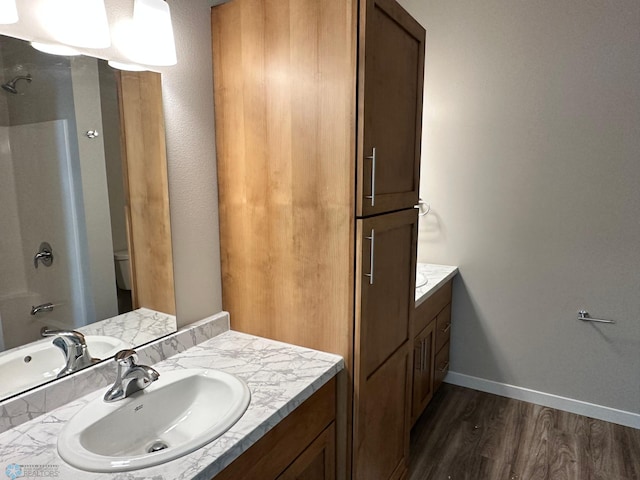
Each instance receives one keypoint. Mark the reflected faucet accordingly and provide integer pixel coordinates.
(131, 377)
(45, 307)
(44, 255)
(74, 349)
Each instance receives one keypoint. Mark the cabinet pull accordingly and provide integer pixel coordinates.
(446, 328)
(372, 157)
(444, 367)
(373, 240)
(418, 359)
(424, 354)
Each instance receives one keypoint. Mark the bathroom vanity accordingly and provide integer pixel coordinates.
(288, 427)
(432, 327)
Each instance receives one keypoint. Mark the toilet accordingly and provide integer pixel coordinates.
(123, 277)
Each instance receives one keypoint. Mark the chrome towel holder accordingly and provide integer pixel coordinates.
(585, 317)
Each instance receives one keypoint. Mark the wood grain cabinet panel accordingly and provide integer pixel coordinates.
(317, 462)
(423, 358)
(388, 253)
(391, 89)
(294, 441)
(431, 347)
(441, 365)
(304, 89)
(443, 327)
(428, 309)
(382, 423)
(144, 156)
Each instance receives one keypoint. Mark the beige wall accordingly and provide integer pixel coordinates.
(531, 163)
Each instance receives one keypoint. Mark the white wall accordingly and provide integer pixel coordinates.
(51, 218)
(531, 163)
(101, 275)
(188, 103)
(13, 280)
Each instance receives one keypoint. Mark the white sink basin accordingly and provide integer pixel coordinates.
(42, 361)
(421, 280)
(179, 413)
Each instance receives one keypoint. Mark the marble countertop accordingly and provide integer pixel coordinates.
(435, 275)
(280, 377)
(137, 327)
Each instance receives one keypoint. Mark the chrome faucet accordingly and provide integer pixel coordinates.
(131, 377)
(74, 349)
(44, 255)
(45, 307)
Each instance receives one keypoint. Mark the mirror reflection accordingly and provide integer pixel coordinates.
(66, 252)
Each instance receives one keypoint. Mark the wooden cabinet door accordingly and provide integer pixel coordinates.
(423, 358)
(385, 286)
(317, 462)
(391, 77)
(381, 437)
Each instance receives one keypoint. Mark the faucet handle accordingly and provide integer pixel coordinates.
(126, 358)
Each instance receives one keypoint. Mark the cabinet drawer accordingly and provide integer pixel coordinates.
(428, 310)
(443, 327)
(441, 367)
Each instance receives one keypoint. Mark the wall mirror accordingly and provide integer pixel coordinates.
(84, 211)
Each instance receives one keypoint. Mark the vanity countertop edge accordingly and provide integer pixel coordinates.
(280, 377)
(436, 275)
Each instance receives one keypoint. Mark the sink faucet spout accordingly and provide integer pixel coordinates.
(131, 377)
(74, 349)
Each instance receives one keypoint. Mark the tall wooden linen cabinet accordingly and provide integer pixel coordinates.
(318, 127)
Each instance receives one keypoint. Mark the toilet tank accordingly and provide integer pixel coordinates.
(123, 275)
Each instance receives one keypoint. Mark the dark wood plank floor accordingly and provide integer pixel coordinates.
(469, 435)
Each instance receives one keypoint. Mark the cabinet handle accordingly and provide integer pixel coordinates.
(418, 359)
(446, 329)
(373, 240)
(424, 354)
(444, 367)
(372, 157)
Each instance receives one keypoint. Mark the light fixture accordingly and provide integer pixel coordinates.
(126, 66)
(8, 12)
(55, 49)
(79, 23)
(152, 32)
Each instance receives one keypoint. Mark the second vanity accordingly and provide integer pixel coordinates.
(432, 329)
(289, 421)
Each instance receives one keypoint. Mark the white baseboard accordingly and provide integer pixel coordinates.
(579, 407)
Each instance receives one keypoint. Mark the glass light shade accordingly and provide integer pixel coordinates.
(153, 41)
(55, 49)
(8, 12)
(126, 66)
(80, 23)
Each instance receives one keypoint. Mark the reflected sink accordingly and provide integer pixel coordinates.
(421, 280)
(41, 361)
(177, 414)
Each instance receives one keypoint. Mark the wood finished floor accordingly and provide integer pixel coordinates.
(469, 435)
